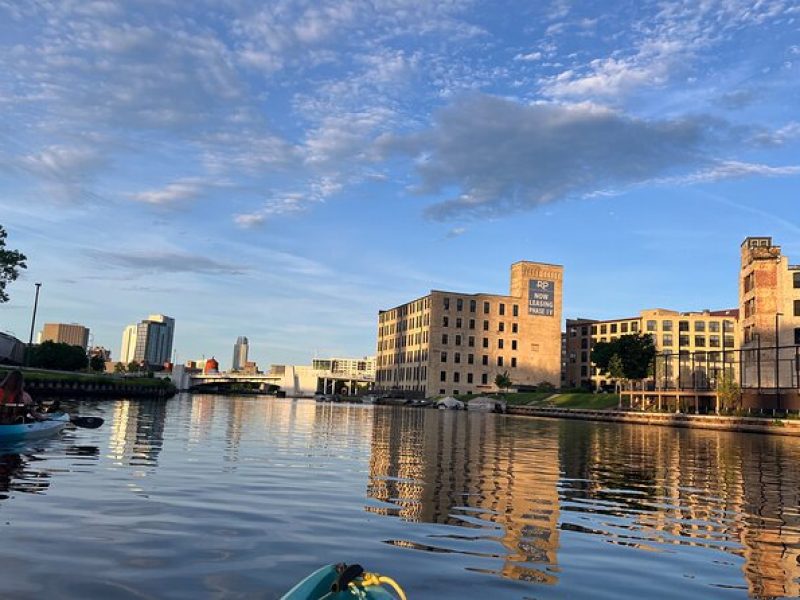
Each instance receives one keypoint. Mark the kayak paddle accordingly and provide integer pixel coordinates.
(86, 422)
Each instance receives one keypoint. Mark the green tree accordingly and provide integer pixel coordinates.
(134, 367)
(11, 261)
(728, 392)
(503, 381)
(616, 371)
(58, 356)
(119, 368)
(96, 363)
(636, 351)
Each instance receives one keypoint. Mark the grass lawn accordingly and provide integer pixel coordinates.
(591, 401)
(43, 375)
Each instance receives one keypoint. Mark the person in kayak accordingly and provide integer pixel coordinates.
(12, 392)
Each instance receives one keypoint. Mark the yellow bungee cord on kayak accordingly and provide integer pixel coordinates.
(374, 579)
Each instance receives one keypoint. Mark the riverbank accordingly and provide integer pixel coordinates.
(42, 384)
(788, 427)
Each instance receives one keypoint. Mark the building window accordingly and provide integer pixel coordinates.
(584, 371)
(469, 377)
(472, 306)
(699, 326)
(471, 341)
(472, 323)
(443, 376)
(501, 326)
(513, 344)
(797, 308)
(458, 340)
(727, 326)
(515, 308)
(486, 308)
(459, 304)
(444, 357)
(666, 325)
(486, 325)
(485, 359)
(447, 303)
(499, 361)
(727, 341)
(796, 279)
(456, 377)
(635, 326)
(445, 321)
(700, 341)
(500, 344)
(584, 343)
(444, 338)
(797, 336)
(713, 341)
(502, 309)
(459, 322)
(683, 340)
(603, 329)
(457, 358)
(485, 342)
(471, 359)
(441, 391)
(713, 326)
(594, 329)
(584, 357)
(613, 328)
(514, 328)
(484, 378)
(623, 328)
(683, 325)
(513, 361)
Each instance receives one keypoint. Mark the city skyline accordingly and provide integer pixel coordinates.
(291, 173)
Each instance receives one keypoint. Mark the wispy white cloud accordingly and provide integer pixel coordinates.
(176, 191)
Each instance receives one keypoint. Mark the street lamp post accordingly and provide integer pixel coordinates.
(33, 325)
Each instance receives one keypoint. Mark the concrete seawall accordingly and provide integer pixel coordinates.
(71, 388)
(720, 423)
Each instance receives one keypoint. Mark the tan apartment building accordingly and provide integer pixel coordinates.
(455, 343)
(769, 296)
(708, 336)
(65, 333)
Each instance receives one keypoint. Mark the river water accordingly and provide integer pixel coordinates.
(226, 497)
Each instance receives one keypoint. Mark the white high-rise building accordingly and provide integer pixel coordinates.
(128, 349)
(240, 351)
(149, 341)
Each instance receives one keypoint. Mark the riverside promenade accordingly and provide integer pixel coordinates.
(777, 426)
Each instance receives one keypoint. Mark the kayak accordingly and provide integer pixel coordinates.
(340, 582)
(35, 429)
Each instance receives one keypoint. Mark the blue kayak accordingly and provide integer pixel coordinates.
(34, 429)
(340, 582)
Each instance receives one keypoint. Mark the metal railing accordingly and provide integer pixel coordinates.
(761, 368)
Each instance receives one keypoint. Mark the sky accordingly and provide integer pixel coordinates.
(285, 169)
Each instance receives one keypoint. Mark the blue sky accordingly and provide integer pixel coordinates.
(283, 170)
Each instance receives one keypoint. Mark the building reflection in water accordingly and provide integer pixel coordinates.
(137, 432)
(465, 470)
(522, 481)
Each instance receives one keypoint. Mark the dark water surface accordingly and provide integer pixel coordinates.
(215, 497)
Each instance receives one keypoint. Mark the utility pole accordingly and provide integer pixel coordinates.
(33, 325)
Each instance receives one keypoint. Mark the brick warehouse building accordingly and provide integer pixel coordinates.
(453, 343)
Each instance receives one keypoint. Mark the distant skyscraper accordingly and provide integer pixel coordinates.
(72, 334)
(240, 352)
(149, 342)
(128, 345)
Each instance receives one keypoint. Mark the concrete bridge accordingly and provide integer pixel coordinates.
(293, 380)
